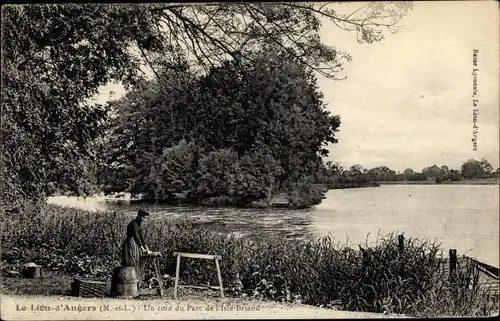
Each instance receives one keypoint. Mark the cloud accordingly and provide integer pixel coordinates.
(408, 103)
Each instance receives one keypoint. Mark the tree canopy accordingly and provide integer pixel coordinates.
(242, 133)
(55, 57)
(475, 169)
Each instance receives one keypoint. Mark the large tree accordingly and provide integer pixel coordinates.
(55, 57)
(263, 127)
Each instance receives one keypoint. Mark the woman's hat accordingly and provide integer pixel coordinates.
(142, 213)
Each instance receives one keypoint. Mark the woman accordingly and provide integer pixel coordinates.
(134, 246)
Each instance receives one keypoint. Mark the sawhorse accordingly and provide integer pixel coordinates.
(154, 256)
(216, 258)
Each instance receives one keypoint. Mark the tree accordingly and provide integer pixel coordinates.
(268, 120)
(55, 57)
(335, 169)
(486, 166)
(432, 172)
(475, 169)
(175, 172)
(418, 177)
(444, 170)
(147, 120)
(356, 169)
(212, 33)
(355, 174)
(274, 104)
(454, 175)
(382, 173)
(408, 173)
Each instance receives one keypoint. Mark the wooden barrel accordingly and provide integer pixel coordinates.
(124, 283)
(126, 273)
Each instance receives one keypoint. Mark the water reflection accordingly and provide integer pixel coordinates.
(255, 223)
(463, 217)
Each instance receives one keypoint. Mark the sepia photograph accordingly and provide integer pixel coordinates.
(250, 160)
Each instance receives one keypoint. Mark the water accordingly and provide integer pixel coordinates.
(464, 217)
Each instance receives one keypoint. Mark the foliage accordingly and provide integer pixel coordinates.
(335, 169)
(250, 133)
(376, 277)
(439, 174)
(381, 173)
(56, 57)
(476, 169)
(246, 179)
(388, 279)
(175, 171)
(306, 193)
(63, 239)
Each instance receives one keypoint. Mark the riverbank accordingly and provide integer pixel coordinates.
(278, 200)
(295, 199)
(292, 200)
(353, 185)
(482, 181)
(374, 277)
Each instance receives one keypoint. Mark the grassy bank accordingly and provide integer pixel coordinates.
(377, 278)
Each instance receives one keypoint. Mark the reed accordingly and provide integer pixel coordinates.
(379, 278)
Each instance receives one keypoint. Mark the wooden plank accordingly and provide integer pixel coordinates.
(202, 287)
(198, 256)
(216, 258)
(158, 276)
(220, 277)
(489, 270)
(152, 254)
(177, 275)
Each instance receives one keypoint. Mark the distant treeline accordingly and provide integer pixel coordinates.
(356, 174)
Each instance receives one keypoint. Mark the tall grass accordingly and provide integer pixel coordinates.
(377, 278)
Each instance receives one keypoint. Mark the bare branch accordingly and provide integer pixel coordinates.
(215, 35)
(215, 41)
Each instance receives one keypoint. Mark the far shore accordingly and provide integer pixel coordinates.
(481, 181)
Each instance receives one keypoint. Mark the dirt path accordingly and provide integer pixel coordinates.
(70, 308)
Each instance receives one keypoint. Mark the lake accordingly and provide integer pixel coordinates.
(464, 217)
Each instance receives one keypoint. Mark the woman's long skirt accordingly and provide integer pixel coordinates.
(131, 256)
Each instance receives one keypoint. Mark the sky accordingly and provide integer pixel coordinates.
(407, 102)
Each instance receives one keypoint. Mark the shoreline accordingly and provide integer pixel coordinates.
(279, 201)
(484, 181)
(354, 185)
